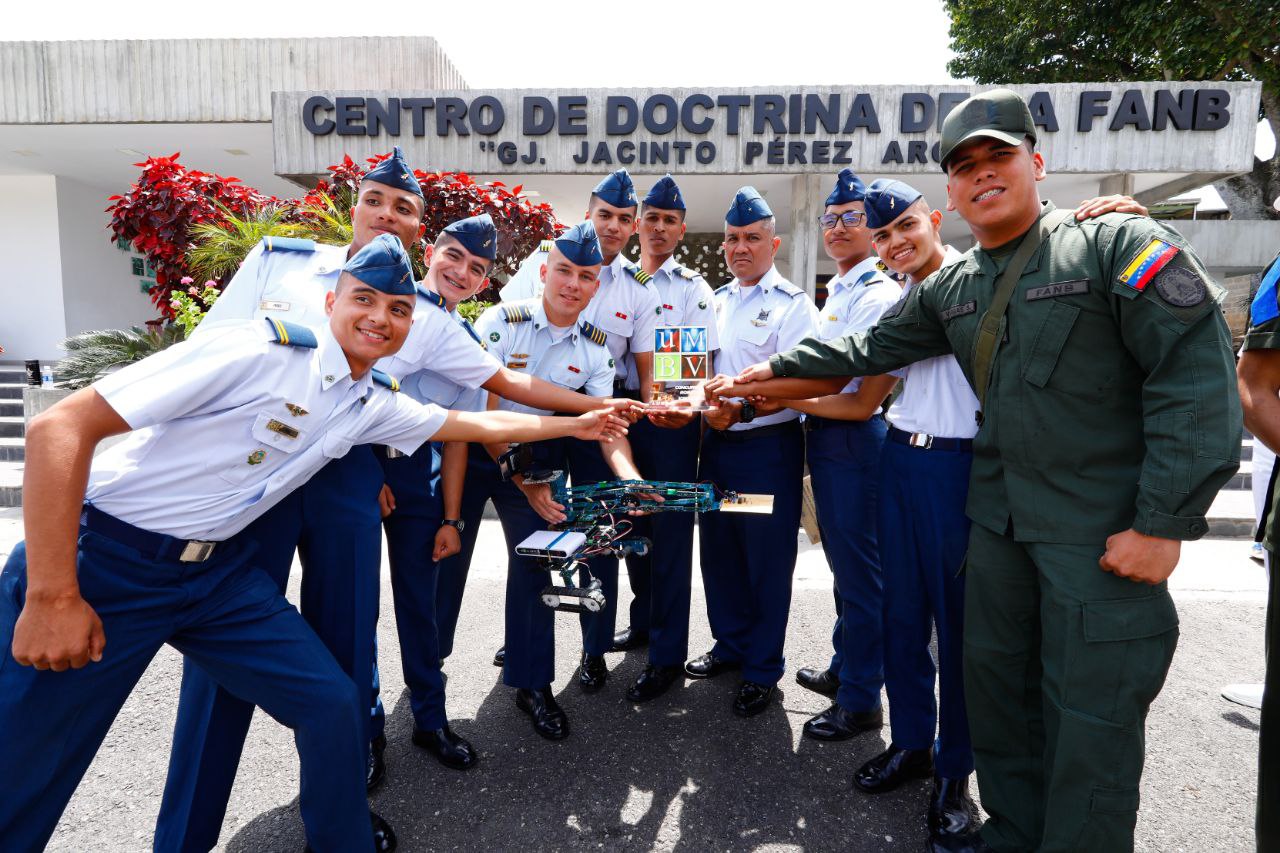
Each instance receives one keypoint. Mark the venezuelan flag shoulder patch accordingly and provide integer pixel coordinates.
(1147, 263)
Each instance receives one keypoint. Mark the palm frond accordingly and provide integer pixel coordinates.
(91, 355)
(218, 248)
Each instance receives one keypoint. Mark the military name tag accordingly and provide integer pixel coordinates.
(268, 305)
(1059, 288)
(1180, 287)
(959, 310)
(282, 428)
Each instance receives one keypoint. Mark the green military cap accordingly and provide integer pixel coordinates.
(1000, 114)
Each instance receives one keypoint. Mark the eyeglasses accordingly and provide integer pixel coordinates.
(850, 219)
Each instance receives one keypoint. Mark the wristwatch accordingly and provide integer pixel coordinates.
(455, 523)
(748, 413)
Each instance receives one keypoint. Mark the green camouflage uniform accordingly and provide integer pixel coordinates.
(1112, 404)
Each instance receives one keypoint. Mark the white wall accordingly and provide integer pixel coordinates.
(32, 321)
(98, 288)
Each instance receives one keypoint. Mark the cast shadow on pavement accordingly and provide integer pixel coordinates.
(678, 773)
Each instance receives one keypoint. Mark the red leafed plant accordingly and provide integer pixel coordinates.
(159, 212)
(156, 215)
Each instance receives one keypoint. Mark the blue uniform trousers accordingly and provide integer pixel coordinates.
(587, 466)
(411, 532)
(333, 522)
(748, 559)
(529, 624)
(451, 575)
(924, 534)
(844, 469)
(661, 578)
(228, 618)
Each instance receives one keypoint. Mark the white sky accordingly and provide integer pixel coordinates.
(506, 43)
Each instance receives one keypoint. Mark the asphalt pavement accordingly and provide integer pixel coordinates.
(681, 772)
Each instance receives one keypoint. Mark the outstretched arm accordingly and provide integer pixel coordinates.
(540, 394)
(499, 426)
(57, 628)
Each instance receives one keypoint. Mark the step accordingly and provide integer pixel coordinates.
(10, 375)
(10, 408)
(10, 484)
(11, 426)
(1231, 515)
(12, 450)
(11, 392)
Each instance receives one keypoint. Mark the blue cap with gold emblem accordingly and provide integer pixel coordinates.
(383, 264)
(395, 172)
(665, 195)
(748, 206)
(616, 189)
(580, 245)
(476, 234)
(849, 187)
(887, 200)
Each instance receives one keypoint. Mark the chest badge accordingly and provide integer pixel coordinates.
(832, 317)
(761, 318)
(256, 457)
(282, 428)
(574, 369)
(295, 410)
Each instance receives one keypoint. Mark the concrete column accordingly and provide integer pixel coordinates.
(806, 207)
(1118, 184)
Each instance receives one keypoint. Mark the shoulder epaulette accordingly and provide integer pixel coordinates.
(788, 288)
(471, 330)
(636, 273)
(721, 288)
(546, 246)
(594, 334)
(288, 244)
(517, 313)
(432, 297)
(385, 379)
(292, 334)
(686, 273)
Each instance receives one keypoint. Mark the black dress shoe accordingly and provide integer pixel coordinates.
(951, 809)
(708, 666)
(384, 840)
(627, 639)
(500, 656)
(822, 681)
(752, 698)
(892, 767)
(971, 843)
(376, 773)
(548, 719)
(836, 723)
(448, 748)
(594, 673)
(653, 682)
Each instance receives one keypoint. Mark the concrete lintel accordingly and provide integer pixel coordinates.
(1178, 186)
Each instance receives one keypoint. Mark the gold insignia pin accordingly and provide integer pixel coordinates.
(295, 410)
(257, 456)
(282, 428)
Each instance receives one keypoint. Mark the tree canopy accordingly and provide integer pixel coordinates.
(1047, 41)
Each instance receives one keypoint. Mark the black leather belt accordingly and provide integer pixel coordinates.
(924, 441)
(741, 435)
(814, 422)
(154, 545)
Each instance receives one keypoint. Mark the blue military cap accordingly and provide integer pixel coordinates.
(616, 189)
(395, 172)
(748, 206)
(476, 234)
(665, 195)
(849, 187)
(383, 264)
(580, 245)
(886, 200)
